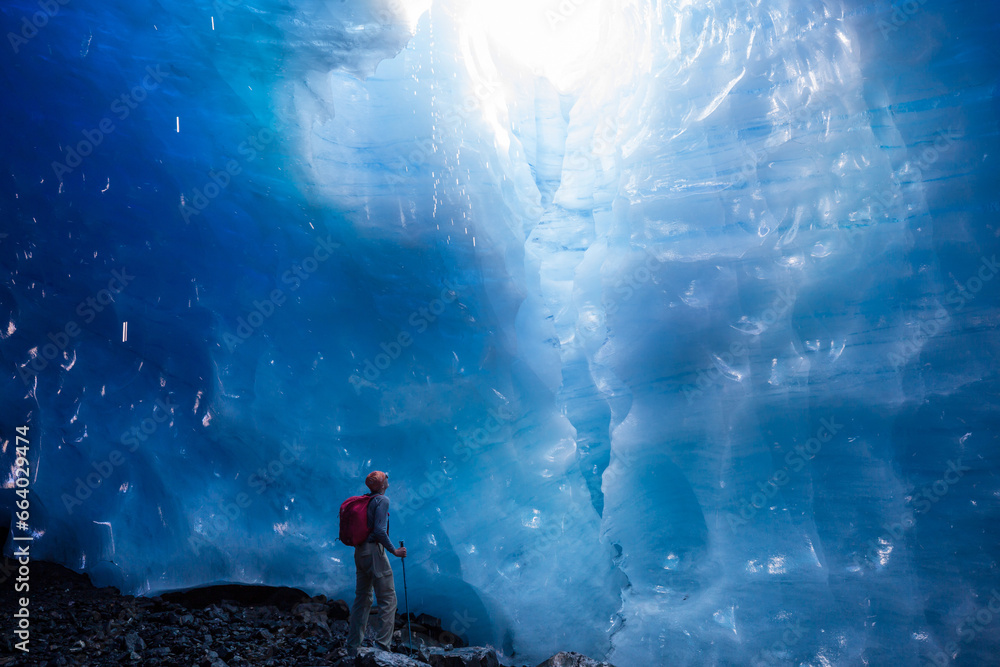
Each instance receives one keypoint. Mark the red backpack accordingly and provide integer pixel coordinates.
(354, 520)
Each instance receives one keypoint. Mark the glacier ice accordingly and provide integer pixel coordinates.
(674, 323)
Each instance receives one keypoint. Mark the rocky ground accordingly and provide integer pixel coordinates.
(74, 623)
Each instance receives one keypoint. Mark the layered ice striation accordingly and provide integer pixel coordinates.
(673, 323)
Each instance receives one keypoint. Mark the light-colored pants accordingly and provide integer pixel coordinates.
(374, 575)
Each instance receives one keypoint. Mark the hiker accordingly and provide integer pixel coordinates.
(374, 571)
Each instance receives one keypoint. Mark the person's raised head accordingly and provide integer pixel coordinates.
(377, 481)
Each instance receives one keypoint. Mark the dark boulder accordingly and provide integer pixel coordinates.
(339, 610)
(243, 594)
(375, 658)
(570, 659)
(477, 656)
(430, 622)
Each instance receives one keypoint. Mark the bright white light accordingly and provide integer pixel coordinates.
(552, 38)
(413, 10)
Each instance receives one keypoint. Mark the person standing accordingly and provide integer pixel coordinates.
(374, 570)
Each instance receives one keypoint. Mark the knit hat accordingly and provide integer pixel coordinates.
(376, 480)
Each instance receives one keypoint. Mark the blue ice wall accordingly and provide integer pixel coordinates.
(674, 325)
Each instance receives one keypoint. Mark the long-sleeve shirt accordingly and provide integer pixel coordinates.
(378, 521)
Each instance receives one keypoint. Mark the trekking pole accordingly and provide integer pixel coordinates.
(406, 603)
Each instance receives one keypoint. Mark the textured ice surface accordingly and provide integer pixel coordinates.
(675, 326)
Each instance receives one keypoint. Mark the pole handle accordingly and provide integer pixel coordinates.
(401, 543)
